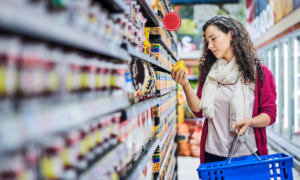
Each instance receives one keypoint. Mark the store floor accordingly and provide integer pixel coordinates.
(187, 167)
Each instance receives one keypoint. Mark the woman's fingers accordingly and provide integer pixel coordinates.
(181, 76)
(177, 74)
(173, 73)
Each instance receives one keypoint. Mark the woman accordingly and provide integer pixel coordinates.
(236, 92)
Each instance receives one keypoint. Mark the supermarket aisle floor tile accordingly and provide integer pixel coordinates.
(187, 168)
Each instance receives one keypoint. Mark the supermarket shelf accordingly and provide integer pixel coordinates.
(109, 159)
(164, 115)
(140, 107)
(48, 28)
(114, 5)
(174, 176)
(167, 153)
(149, 14)
(141, 163)
(167, 6)
(159, 40)
(53, 119)
(163, 140)
(192, 77)
(173, 172)
(138, 54)
(169, 170)
(162, 92)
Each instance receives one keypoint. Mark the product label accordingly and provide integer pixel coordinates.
(70, 81)
(53, 81)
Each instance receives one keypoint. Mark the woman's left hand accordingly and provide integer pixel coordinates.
(242, 126)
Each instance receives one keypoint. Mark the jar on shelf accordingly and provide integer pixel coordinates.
(31, 72)
(129, 34)
(102, 21)
(10, 48)
(107, 131)
(91, 141)
(125, 28)
(109, 28)
(76, 66)
(94, 138)
(100, 136)
(70, 154)
(118, 79)
(51, 66)
(79, 13)
(108, 78)
(88, 74)
(15, 166)
(84, 147)
(51, 162)
(114, 128)
(94, 14)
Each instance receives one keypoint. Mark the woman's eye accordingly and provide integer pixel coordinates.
(213, 38)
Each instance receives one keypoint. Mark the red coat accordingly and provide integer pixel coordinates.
(265, 102)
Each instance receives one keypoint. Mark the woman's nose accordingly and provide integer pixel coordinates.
(210, 45)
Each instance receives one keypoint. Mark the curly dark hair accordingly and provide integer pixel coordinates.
(243, 49)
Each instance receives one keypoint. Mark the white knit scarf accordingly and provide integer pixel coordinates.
(224, 73)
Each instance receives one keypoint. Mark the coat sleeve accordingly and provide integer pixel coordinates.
(199, 94)
(267, 96)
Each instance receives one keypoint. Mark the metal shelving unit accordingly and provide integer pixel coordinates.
(147, 11)
(166, 155)
(58, 118)
(55, 31)
(138, 54)
(140, 107)
(114, 5)
(140, 164)
(162, 92)
(159, 40)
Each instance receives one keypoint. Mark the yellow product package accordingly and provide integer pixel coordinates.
(180, 64)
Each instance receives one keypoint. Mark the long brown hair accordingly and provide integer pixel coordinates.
(243, 49)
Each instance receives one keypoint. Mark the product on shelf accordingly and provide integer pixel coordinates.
(164, 81)
(21, 164)
(40, 70)
(161, 155)
(156, 160)
(143, 79)
(10, 48)
(147, 171)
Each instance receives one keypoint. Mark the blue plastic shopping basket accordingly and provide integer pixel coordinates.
(268, 167)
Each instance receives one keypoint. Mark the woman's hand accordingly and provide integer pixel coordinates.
(242, 126)
(179, 76)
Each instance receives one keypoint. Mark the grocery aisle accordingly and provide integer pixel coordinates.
(187, 167)
(86, 91)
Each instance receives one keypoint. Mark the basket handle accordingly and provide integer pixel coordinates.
(233, 144)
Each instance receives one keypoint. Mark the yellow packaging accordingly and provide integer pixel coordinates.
(147, 33)
(180, 64)
(155, 30)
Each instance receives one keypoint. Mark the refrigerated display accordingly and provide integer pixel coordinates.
(296, 123)
(283, 58)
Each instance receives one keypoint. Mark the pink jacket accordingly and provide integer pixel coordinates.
(265, 102)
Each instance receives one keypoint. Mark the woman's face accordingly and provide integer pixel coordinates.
(218, 42)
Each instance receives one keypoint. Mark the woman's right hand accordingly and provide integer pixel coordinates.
(179, 76)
